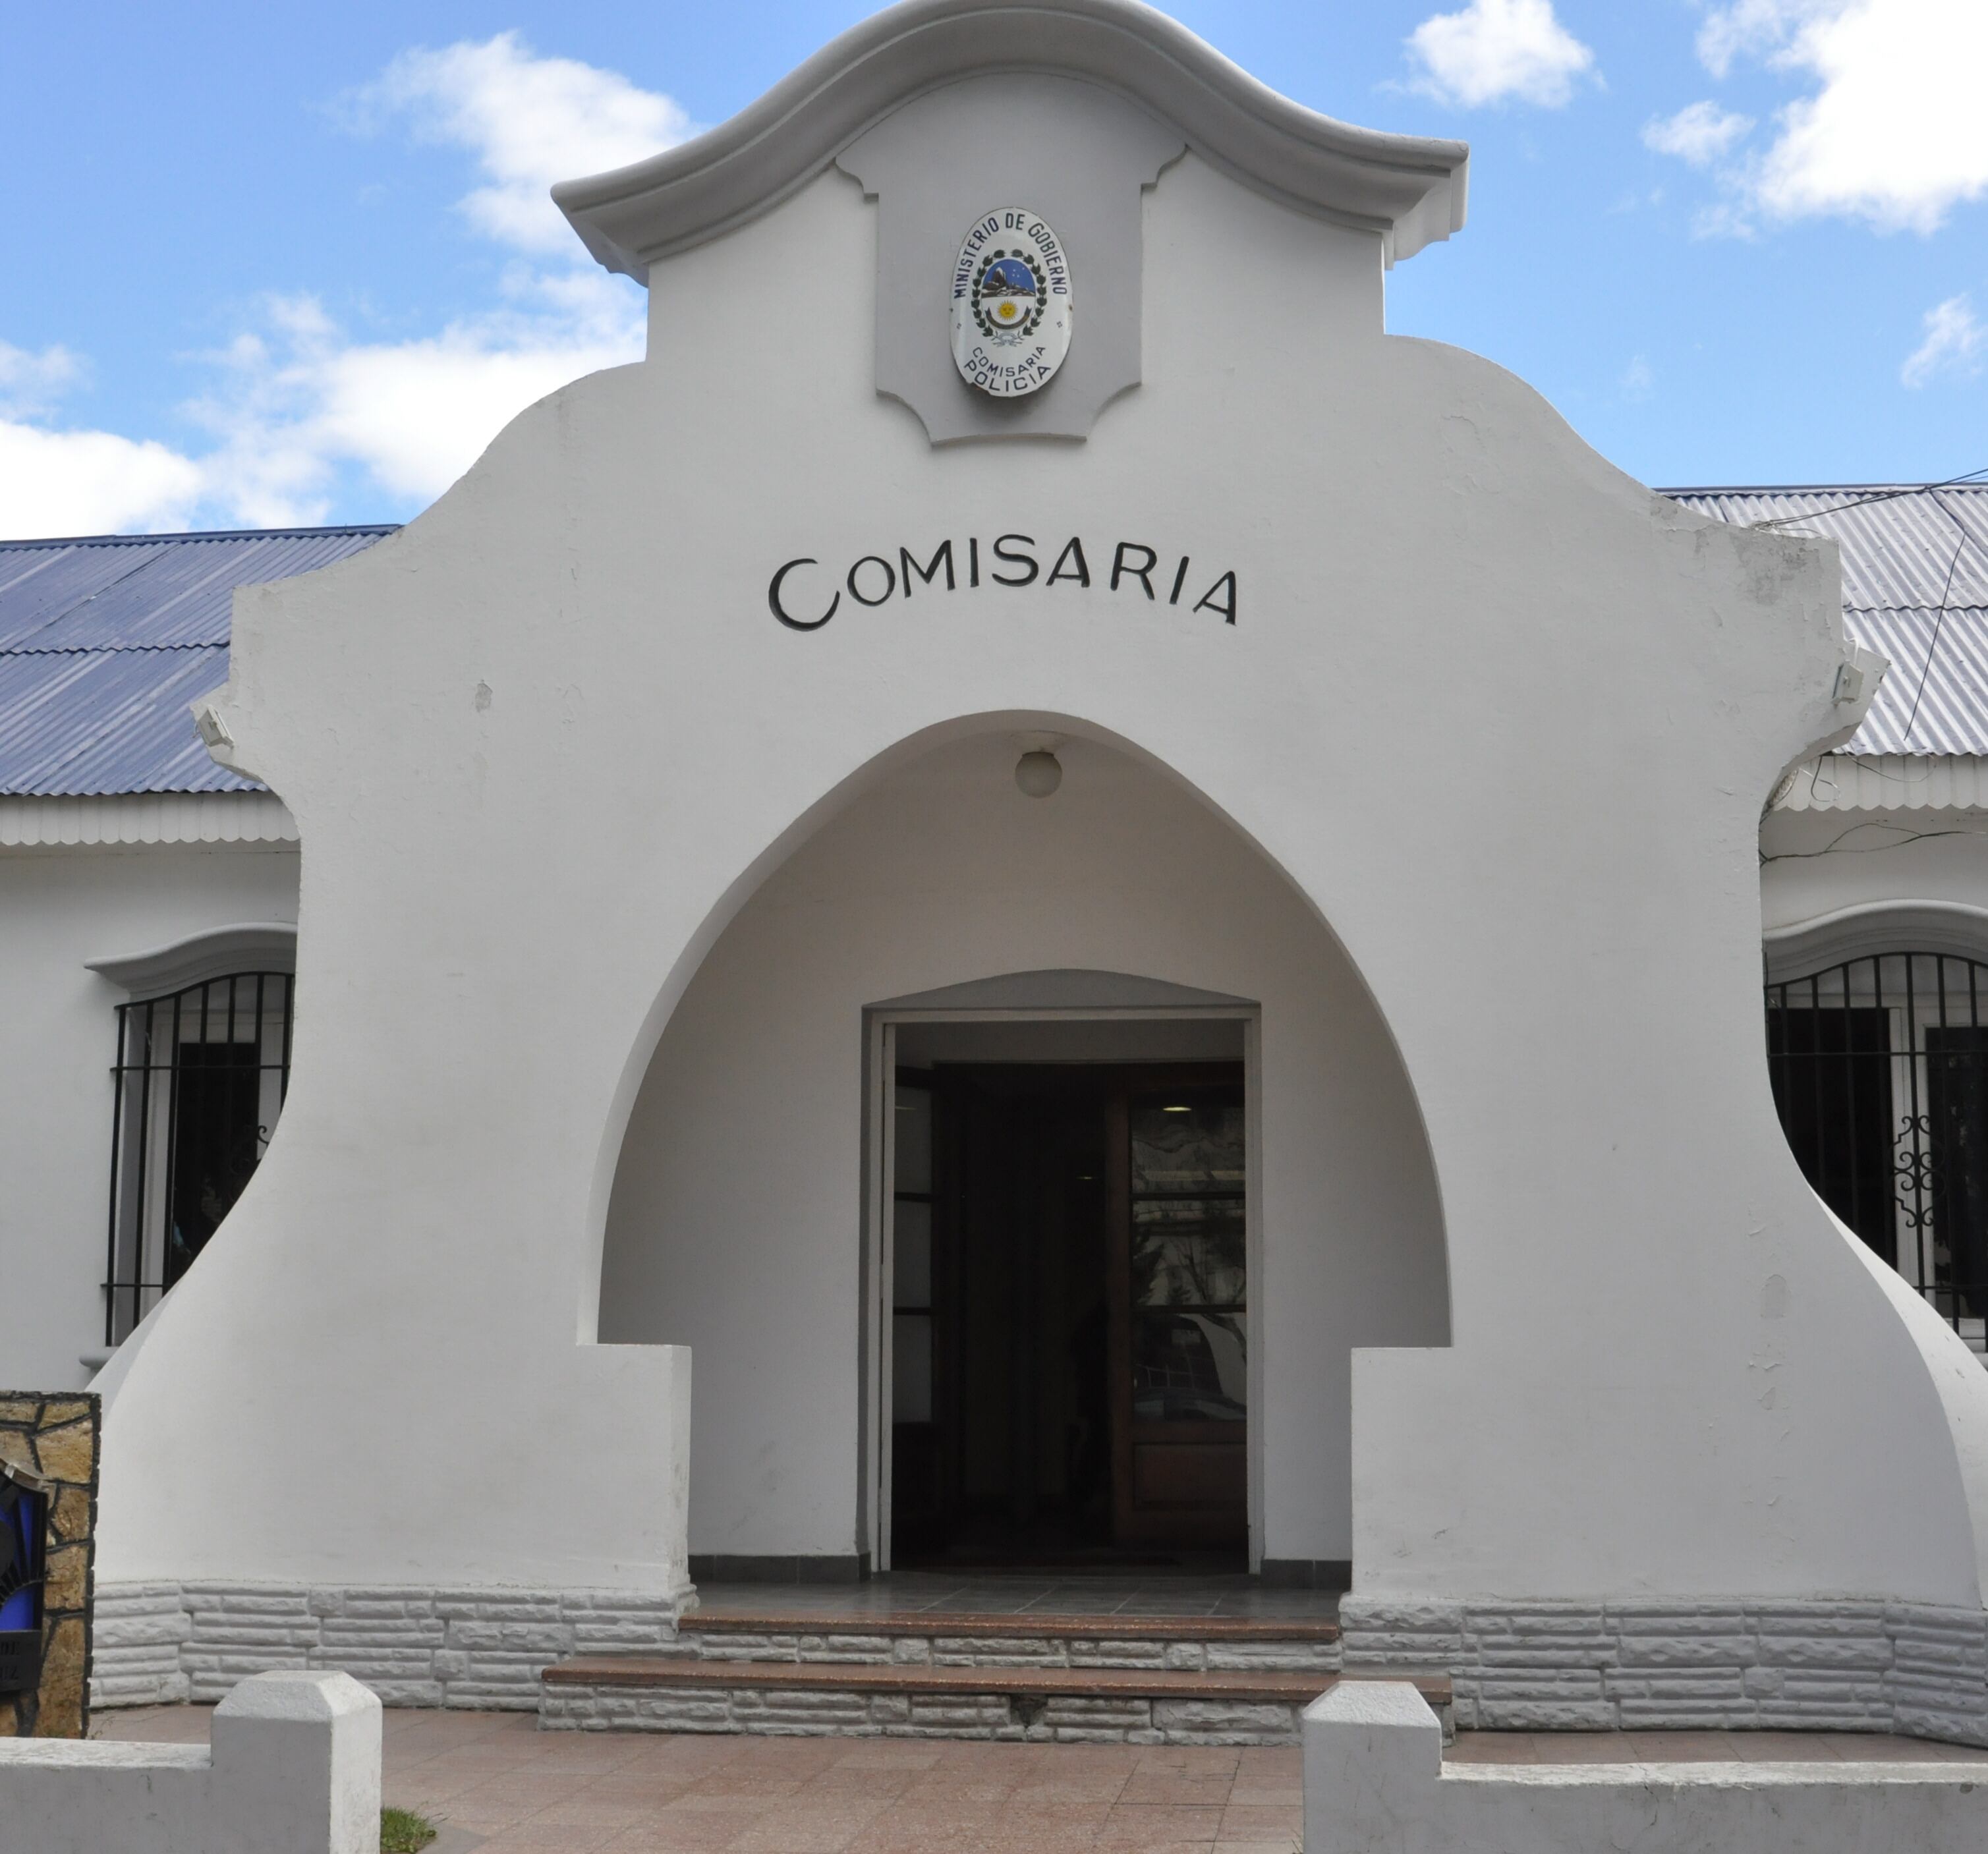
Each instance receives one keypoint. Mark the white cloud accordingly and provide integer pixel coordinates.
(300, 401)
(1700, 133)
(1955, 342)
(1639, 379)
(1754, 28)
(1893, 133)
(1496, 50)
(301, 406)
(90, 483)
(78, 482)
(30, 383)
(528, 120)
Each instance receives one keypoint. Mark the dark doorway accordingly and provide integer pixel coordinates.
(1070, 1343)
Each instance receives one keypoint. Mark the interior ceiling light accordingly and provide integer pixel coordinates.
(1038, 774)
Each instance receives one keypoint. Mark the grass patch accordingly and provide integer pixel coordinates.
(402, 1832)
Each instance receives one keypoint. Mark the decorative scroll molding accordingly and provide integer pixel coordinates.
(1410, 189)
(146, 817)
(1869, 928)
(248, 946)
(1887, 781)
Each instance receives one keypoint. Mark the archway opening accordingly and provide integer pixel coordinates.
(748, 1216)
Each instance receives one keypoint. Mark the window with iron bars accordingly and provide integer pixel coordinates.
(1880, 1072)
(200, 1079)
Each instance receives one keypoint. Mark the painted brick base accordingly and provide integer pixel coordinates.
(801, 1713)
(479, 1648)
(879, 1646)
(1655, 1666)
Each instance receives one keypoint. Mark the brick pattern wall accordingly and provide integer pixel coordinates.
(1018, 1650)
(51, 1442)
(478, 1647)
(1654, 1666)
(1062, 1719)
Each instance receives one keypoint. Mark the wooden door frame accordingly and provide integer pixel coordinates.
(880, 1064)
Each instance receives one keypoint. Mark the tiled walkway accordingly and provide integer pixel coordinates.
(495, 1775)
(499, 1784)
(1009, 1594)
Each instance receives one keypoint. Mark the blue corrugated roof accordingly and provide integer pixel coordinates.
(106, 640)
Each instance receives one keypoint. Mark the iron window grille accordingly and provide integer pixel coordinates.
(199, 1082)
(1880, 1073)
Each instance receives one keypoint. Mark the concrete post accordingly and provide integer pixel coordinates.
(296, 1766)
(1373, 1756)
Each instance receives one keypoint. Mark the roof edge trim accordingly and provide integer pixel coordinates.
(1412, 189)
(382, 528)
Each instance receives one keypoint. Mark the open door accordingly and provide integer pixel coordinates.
(1178, 1291)
(915, 1493)
(1065, 1339)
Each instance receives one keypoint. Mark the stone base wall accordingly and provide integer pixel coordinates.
(853, 1645)
(1654, 1666)
(478, 1647)
(801, 1713)
(48, 1449)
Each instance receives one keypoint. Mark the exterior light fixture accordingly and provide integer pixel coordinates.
(1039, 773)
(1182, 1109)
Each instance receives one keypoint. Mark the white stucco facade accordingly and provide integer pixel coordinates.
(640, 772)
(63, 905)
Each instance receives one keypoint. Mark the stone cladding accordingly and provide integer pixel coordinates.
(477, 1647)
(1847, 1666)
(1065, 1680)
(921, 1648)
(49, 1446)
(1066, 1719)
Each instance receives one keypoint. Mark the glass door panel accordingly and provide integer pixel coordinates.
(1181, 1362)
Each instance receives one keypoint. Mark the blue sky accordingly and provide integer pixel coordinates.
(267, 265)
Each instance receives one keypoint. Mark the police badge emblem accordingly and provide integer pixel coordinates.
(1012, 305)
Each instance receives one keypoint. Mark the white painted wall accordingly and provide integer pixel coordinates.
(293, 1768)
(736, 1222)
(1815, 861)
(1464, 643)
(1375, 1783)
(60, 906)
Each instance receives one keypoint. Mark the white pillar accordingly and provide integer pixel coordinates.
(1373, 1757)
(296, 1766)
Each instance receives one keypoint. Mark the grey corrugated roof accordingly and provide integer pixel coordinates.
(1906, 553)
(104, 641)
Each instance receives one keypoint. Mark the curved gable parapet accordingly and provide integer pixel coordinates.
(1411, 189)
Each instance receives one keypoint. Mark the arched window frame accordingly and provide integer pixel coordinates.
(1879, 1064)
(200, 1070)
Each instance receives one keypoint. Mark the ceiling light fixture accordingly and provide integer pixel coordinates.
(1039, 773)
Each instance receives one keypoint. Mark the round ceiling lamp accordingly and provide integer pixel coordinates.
(1039, 773)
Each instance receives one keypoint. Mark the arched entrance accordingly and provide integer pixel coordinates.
(750, 1219)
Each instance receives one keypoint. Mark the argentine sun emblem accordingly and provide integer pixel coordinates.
(1011, 303)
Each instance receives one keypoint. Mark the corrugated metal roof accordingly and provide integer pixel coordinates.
(105, 641)
(1908, 552)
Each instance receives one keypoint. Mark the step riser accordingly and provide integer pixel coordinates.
(773, 1711)
(1018, 1651)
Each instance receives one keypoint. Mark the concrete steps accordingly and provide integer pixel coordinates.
(1172, 1680)
(937, 1639)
